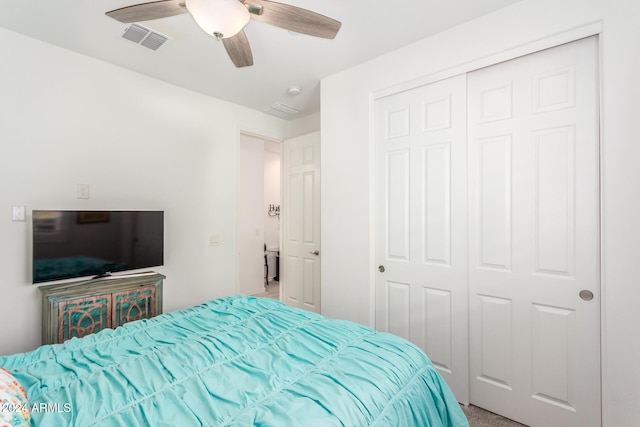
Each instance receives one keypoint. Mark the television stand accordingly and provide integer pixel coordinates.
(81, 308)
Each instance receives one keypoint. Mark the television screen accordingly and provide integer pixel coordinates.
(70, 244)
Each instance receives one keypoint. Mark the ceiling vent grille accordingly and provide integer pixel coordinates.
(281, 110)
(145, 37)
(153, 41)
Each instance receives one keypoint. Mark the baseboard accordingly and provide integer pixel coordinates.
(254, 291)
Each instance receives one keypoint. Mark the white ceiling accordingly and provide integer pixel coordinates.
(196, 61)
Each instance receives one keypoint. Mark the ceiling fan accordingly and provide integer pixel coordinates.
(225, 20)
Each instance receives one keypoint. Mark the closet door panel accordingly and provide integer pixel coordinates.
(421, 223)
(534, 289)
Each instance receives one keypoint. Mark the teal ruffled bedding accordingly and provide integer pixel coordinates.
(235, 361)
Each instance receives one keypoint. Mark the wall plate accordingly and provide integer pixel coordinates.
(19, 213)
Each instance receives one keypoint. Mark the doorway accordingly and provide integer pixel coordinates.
(259, 201)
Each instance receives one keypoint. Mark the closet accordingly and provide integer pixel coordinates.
(487, 232)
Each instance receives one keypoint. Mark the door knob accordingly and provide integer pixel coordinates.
(381, 268)
(586, 295)
(316, 252)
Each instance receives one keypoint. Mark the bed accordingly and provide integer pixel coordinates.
(234, 361)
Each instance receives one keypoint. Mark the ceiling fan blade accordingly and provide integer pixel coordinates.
(238, 49)
(295, 19)
(148, 11)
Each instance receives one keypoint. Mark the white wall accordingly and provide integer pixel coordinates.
(66, 119)
(303, 125)
(347, 266)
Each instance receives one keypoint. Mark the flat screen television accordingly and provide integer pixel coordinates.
(72, 244)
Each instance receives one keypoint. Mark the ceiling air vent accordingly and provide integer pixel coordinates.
(144, 36)
(281, 110)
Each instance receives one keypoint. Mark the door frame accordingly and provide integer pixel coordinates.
(593, 29)
(238, 136)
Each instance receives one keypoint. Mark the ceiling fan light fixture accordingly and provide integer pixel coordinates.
(225, 20)
(221, 18)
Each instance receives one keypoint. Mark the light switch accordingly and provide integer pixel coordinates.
(19, 213)
(83, 191)
(214, 240)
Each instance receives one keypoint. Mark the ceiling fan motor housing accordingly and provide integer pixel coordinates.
(221, 18)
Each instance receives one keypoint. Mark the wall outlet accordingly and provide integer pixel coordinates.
(83, 191)
(214, 240)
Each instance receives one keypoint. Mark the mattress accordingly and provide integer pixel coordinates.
(235, 361)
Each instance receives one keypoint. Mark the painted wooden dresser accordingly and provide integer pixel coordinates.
(81, 308)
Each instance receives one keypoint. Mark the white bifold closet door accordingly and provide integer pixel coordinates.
(534, 287)
(421, 224)
(487, 232)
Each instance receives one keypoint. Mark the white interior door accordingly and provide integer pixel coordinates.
(421, 224)
(300, 252)
(534, 237)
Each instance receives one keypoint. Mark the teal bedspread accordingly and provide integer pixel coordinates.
(235, 361)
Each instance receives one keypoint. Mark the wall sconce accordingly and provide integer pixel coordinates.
(274, 210)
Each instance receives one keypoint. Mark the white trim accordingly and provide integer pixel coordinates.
(525, 49)
(372, 212)
(603, 358)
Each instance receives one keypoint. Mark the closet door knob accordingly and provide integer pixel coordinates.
(381, 268)
(316, 252)
(586, 295)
